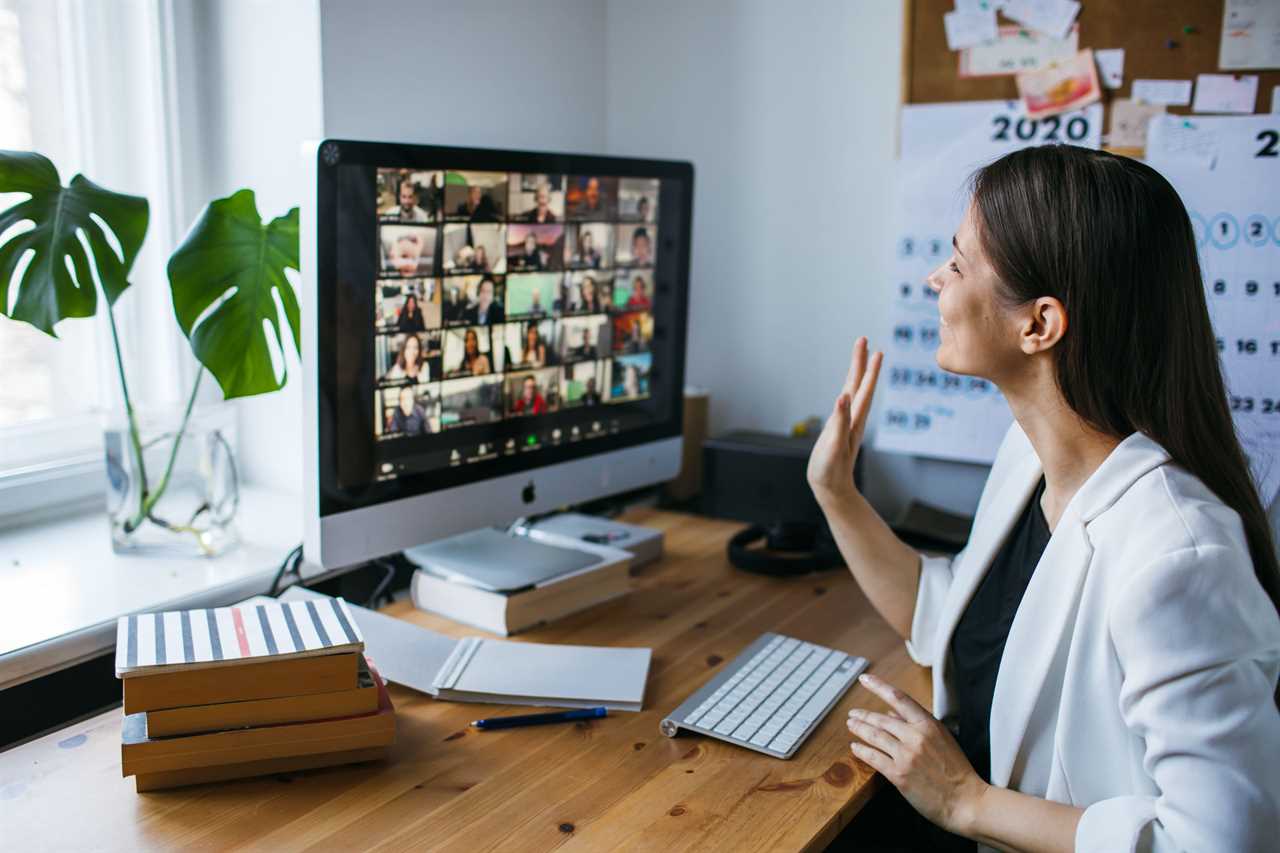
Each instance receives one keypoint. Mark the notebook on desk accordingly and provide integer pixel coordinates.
(476, 669)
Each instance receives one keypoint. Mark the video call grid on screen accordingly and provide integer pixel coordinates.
(503, 295)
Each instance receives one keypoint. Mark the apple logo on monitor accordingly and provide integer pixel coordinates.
(527, 494)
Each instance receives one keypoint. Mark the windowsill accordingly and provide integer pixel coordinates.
(62, 587)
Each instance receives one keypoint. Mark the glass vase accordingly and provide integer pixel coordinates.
(173, 489)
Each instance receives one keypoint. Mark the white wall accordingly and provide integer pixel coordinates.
(249, 72)
(490, 73)
(788, 113)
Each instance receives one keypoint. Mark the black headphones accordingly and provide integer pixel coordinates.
(791, 548)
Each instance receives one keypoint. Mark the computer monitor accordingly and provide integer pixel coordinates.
(487, 334)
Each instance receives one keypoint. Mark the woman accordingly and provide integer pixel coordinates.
(409, 365)
(639, 298)
(411, 316)
(534, 352)
(474, 361)
(589, 303)
(1119, 552)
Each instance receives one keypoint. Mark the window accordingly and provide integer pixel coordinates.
(49, 390)
(87, 85)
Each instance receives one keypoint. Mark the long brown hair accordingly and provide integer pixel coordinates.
(1109, 238)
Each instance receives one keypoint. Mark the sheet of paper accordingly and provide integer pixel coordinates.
(1064, 86)
(1250, 34)
(1183, 139)
(1016, 49)
(1129, 120)
(1051, 17)
(1235, 214)
(1225, 93)
(1275, 99)
(1110, 66)
(966, 29)
(925, 410)
(979, 5)
(1172, 93)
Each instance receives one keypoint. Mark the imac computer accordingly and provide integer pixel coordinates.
(487, 335)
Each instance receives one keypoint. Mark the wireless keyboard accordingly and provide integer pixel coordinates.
(770, 697)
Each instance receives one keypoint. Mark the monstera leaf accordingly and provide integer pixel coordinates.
(224, 279)
(47, 291)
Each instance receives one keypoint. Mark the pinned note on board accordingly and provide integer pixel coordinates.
(1225, 93)
(1110, 66)
(1171, 93)
(1051, 17)
(967, 29)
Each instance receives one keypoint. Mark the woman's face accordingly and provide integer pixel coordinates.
(411, 305)
(471, 344)
(412, 351)
(531, 338)
(977, 332)
(588, 290)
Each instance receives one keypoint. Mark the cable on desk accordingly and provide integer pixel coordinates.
(291, 563)
(381, 589)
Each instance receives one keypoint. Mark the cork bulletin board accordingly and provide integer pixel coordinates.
(1144, 28)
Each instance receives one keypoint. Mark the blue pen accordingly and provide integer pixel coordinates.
(538, 719)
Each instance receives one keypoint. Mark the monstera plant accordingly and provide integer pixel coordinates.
(225, 278)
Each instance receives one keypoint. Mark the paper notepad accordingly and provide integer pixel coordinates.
(481, 670)
(497, 671)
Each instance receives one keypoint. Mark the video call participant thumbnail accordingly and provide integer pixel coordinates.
(633, 332)
(476, 400)
(591, 197)
(534, 393)
(589, 293)
(411, 305)
(475, 196)
(583, 338)
(638, 199)
(589, 246)
(409, 410)
(581, 384)
(527, 345)
(413, 357)
(635, 246)
(474, 248)
(468, 352)
(535, 248)
(531, 294)
(629, 377)
(633, 291)
(538, 199)
(408, 196)
(408, 251)
(474, 300)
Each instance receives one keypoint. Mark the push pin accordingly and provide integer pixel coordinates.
(1188, 30)
(1170, 44)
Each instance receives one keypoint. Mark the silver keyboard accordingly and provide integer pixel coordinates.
(770, 697)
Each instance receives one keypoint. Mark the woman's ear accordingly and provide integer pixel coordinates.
(1044, 325)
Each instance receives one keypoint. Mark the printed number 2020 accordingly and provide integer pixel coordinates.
(1050, 129)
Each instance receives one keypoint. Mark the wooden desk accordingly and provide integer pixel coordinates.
(598, 785)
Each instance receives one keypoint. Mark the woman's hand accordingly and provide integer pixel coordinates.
(831, 461)
(915, 752)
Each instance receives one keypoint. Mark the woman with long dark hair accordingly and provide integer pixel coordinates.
(1106, 648)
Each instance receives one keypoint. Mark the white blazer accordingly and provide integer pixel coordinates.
(1139, 673)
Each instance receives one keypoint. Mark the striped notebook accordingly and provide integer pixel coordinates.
(150, 643)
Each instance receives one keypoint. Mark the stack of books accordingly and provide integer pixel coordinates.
(248, 690)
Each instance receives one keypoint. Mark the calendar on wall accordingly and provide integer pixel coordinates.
(927, 411)
(1227, 171)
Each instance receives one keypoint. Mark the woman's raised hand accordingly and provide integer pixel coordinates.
(831, 462)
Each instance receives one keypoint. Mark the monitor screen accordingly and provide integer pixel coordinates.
(482, 312)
